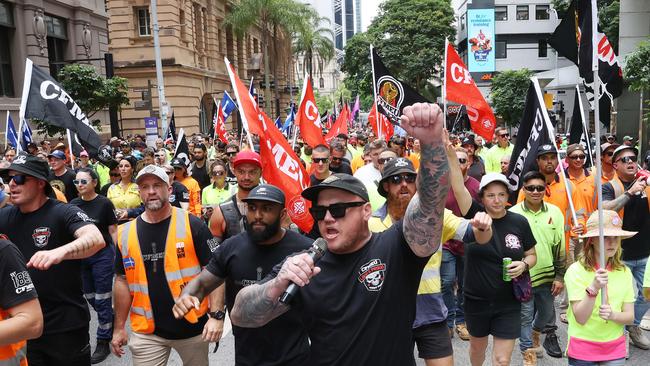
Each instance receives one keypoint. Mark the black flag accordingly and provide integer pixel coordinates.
(44, 99)
(578, 133)
(392, 94)
(534, 124)
(573, 40)
(182, 149)
(171, 130)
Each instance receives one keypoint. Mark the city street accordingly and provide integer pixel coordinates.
(226, 353)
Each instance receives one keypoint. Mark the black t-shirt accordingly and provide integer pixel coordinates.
(59, 288)
(360, 309)
(179, 194)
(104, 190)
(102, 213)
(636, 217)
(200, 174)
(17, 286)
(314, 181)
(64, 181)
(283, 341)
(152, 239)
(484, 262)
(343, 168)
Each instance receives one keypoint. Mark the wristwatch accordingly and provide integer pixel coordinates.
(219, 315)
(591, 292)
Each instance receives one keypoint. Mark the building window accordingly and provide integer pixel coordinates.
(542, 12)
(501, 13)
(542, 48)
(183, 26)
(6, 35)
(321, 82)
(56, 27)
(462, 21)
(57, 42)
(522, 12)
(501, 49)
(6, 15)
(144, 23)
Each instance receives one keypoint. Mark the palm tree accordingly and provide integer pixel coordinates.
(273, 17)
(314, 41)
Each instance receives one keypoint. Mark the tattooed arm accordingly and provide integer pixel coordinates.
(423, 218)
(89, 240)
(258, 304)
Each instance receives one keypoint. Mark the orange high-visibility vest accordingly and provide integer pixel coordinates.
(180, 263)
(12, 354)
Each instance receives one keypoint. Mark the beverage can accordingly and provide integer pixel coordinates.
(506, 262)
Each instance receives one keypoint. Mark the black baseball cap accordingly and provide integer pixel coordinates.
(394, 167)
(546, 149)
(178, 163)
(266, 192)
(341, 181)
(33, 166)
(469, 140)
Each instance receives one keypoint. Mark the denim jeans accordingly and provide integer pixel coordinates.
(451, 270)
(637, 266)
(537, 314)
(617, 362)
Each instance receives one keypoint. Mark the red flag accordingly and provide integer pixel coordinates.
(280, 165)
(462, 89)
(250, 116)
(220, 125)
(387, 129)
(308, 118)
(340, 126)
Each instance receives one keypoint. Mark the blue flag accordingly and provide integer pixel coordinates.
(26, 135)
(278, 123)
(227, 105)
(12, 136)
(289, 121)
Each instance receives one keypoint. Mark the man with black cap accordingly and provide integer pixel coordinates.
(361, 309)
(181, 175)
(60, 176)
(429, 328)
(158, 253)
(226, 221)
(246, 259)
(628, 194)
(52, 236)
(476, 166)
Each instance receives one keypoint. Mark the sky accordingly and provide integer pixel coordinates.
(369, 9)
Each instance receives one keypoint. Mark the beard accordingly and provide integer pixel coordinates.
(154, 205)
(259, 236)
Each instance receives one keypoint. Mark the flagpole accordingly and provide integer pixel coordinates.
(599, 167)
(70, 147)
(444, 86)
(551, 135)
(374, 92)
(584, 125)
(6, 130)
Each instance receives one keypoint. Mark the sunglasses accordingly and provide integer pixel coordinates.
(505, 135)
(628, 159)
(384, 160)
(115, 174)
(462, 161)
(80, 182)
(535, 188)
(320, 160)
(218, 174)
(19, 179)
(578, 157)
(337, 210)
(336, 159)
(397, 179)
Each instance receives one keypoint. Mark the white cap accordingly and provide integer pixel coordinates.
(491, 178)
(154, 170)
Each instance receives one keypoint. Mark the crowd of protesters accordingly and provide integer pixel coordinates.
(418, 229)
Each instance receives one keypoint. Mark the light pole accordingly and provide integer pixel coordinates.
(162, 103)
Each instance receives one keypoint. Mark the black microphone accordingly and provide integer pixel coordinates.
(318, 248)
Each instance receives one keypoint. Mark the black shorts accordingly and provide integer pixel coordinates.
(70, 348)
(433, 340)
(502, 320)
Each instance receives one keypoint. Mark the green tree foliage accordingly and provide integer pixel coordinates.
(314, 42)
(509, 94)
(410, 37)
(91, 91)
(637, 68)
(323, 102)
(607, 17)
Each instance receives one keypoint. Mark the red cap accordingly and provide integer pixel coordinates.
(247, 156)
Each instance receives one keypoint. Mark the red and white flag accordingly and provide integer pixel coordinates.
(220, 124)
(340, 126)
(462, 89)
(281, 167)
(308, 118)
(387, 129)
